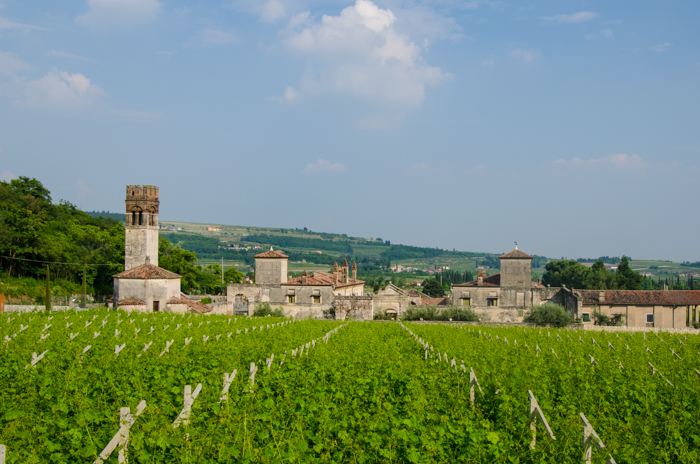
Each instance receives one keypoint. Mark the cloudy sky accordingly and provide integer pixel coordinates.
(569, 126)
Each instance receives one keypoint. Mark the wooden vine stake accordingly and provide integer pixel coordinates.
(227, 384)
(121, 439)
(590, 437)
(473, 381)
(535, 412)
(251, 379)
(184, 417)
(2, 454)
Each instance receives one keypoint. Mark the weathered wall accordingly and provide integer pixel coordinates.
(516, 273)
(270, 271)
(667, 317)
(360, 308)
(303, 294)
(140, 242)
(147, 290)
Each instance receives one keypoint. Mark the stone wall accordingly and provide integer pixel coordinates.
(140, 242)
(359, 308)
(270, 271)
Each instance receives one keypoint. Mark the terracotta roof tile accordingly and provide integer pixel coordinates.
(271, 254)
(434, 301)
(319, 278)
(642, 297)
(196, 306)
(515, 254)
(147, 271)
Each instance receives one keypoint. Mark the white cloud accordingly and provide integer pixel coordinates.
(620, 161)
(119, 12)
(580, 17)
(527, 56)
(661, 47)
(419, 168)
(323, 166)
(211, 37)
(61, 54)
(360, 53)
(272, 11)
(381, 122)
(488, 63)
(607, 33)
(59, 89)
(6, 176)
(9, 64)
(7, 24)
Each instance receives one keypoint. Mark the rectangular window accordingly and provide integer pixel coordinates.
(492, 302)
(316, 299)
(586, 317)
(291, 298)
(650, 318)
(466, 301)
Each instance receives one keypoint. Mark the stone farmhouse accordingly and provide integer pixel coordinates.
(310, 295)
(504, 297)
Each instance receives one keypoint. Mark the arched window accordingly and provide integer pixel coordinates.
(140, 218)
(133, 218)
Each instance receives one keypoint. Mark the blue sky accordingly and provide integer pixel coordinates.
(569, 126)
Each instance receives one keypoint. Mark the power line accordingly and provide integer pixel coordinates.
(56, 262)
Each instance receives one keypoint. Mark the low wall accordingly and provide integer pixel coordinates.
(606, 328)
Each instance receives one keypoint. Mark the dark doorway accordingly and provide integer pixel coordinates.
(156, 306)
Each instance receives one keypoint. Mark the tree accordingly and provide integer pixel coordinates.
(433, 288)
(626, 278)
(232, 275)
(599, 278)
(565, 273)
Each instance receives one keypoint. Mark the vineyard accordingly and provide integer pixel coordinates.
(211, 389)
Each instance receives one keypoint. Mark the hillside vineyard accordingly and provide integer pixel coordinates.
(241, 389)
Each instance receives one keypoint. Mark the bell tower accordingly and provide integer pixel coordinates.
(141, 228)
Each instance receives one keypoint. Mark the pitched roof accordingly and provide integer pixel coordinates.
(319, 278)
(515, 254)
(195, 306)
(147, 271)
(491, 281)
(434, 301)
(642, 297)
(131, 302)
(271, 254)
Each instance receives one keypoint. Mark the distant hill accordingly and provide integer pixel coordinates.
(106, 214)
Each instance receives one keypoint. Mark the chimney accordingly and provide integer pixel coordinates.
(480, 281)
(601, 297)
(148, 260)
(304, 278)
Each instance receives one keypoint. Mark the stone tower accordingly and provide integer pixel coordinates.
(141, 226)
(271, 268)
(516, 269)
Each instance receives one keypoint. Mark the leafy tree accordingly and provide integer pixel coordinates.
(232, 275)
(565, 272)
(626, 278)
(433, 288)
(599, 278)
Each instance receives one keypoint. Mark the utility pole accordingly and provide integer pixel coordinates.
(84, 302)
(48, 290)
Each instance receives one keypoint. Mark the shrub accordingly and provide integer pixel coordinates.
(602, 319)
(264, 309)
(383, 316)
(432, 313)
(549, 314)
(206, 300)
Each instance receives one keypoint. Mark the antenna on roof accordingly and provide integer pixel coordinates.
(516, 245)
